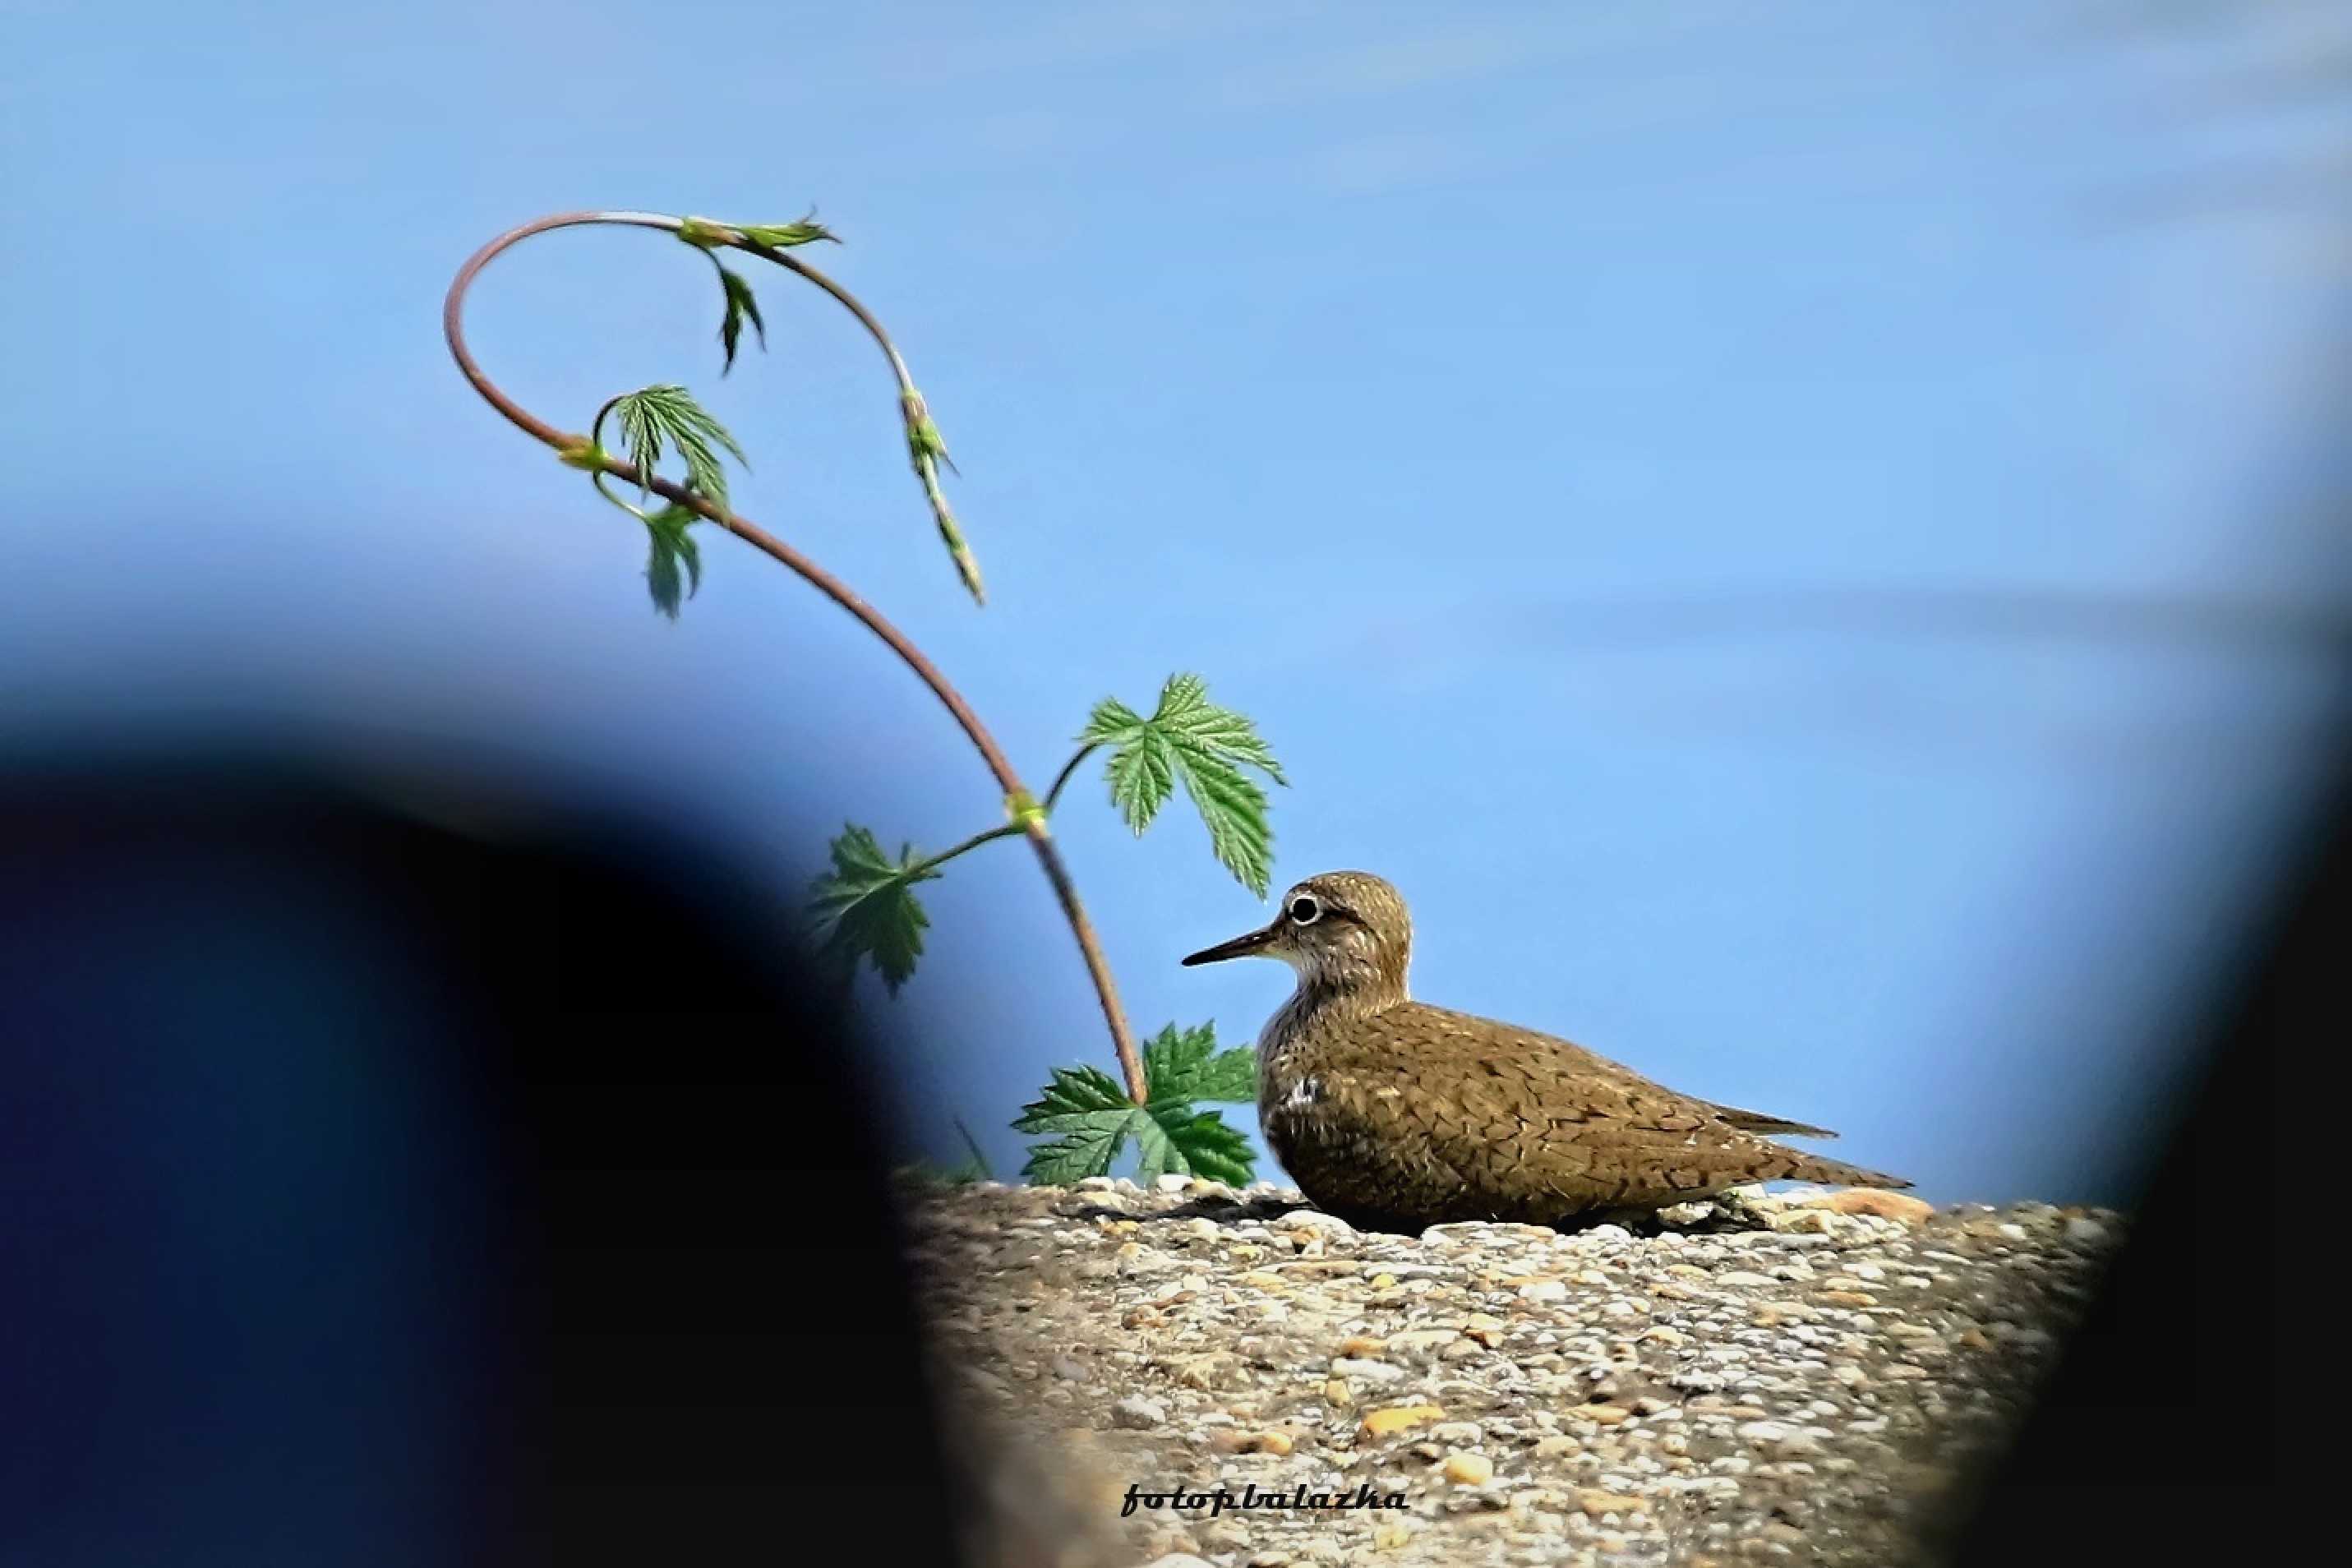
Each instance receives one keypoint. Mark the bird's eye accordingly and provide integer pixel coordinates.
(1304, 911)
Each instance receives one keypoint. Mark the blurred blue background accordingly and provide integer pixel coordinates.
(1804, 542)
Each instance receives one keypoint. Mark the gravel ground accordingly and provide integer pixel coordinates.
(1799, 1378)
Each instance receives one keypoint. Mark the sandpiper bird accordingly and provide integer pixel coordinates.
(1396, 1115)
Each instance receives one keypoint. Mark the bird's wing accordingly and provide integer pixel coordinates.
(1566, 1057)
(1524, 1113)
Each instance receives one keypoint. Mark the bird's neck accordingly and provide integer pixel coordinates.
(1322, 999)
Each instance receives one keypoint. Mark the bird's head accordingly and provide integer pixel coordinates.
(1341, 930)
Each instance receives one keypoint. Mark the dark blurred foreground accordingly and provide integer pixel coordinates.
(487, 1183)
(2159, 1437)
(386, 1191)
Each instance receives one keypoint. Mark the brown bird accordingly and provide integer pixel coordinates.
(1396, 1115)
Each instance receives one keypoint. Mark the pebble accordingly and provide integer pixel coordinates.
(1470, 1469)
(1138, 1411)
(1329, 1227)
(1879, 1203)
(1748, 1385)
(1398, 1418)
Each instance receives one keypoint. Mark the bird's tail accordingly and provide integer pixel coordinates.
(1838, 1174)
(1768, 1126)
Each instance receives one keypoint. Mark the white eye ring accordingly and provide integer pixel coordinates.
(1304, 911)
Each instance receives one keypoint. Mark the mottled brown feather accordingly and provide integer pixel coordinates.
(1420, 1114)
(1392, 1113)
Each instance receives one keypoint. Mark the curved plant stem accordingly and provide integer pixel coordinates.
(1063, 777)
(1031, 824)
(933, 862)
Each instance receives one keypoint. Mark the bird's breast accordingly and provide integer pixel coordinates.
(1287, 1089)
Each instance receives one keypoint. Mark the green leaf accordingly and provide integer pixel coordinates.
(654, 415)
(1094, 1116)
(672, 546)
(740, 304)
(1191, 740)
(1143, 776)
(1185, 1064)
(783, 235)
(1093, 1119)
(865, 906)
(1199, 1144)
(1071, 1095)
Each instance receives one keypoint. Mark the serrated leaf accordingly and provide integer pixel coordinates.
(1186, 710)
(1201, 1143)
(1094, 1116)
(1075, 1092)
(1191, 739)
(1156, 1155)
(1185, 1064)
(672, 546)
(741, 303)
(1234, 810)
(865, 908)
(1067, 1161)
(1093, 1119)
(1143, 776)
(653, 416)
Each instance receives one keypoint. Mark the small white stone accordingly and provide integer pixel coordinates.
(1139, 1413)
(1328, 1226)
(1808, 1222)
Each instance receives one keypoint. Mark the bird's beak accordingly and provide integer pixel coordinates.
(1239, 947)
